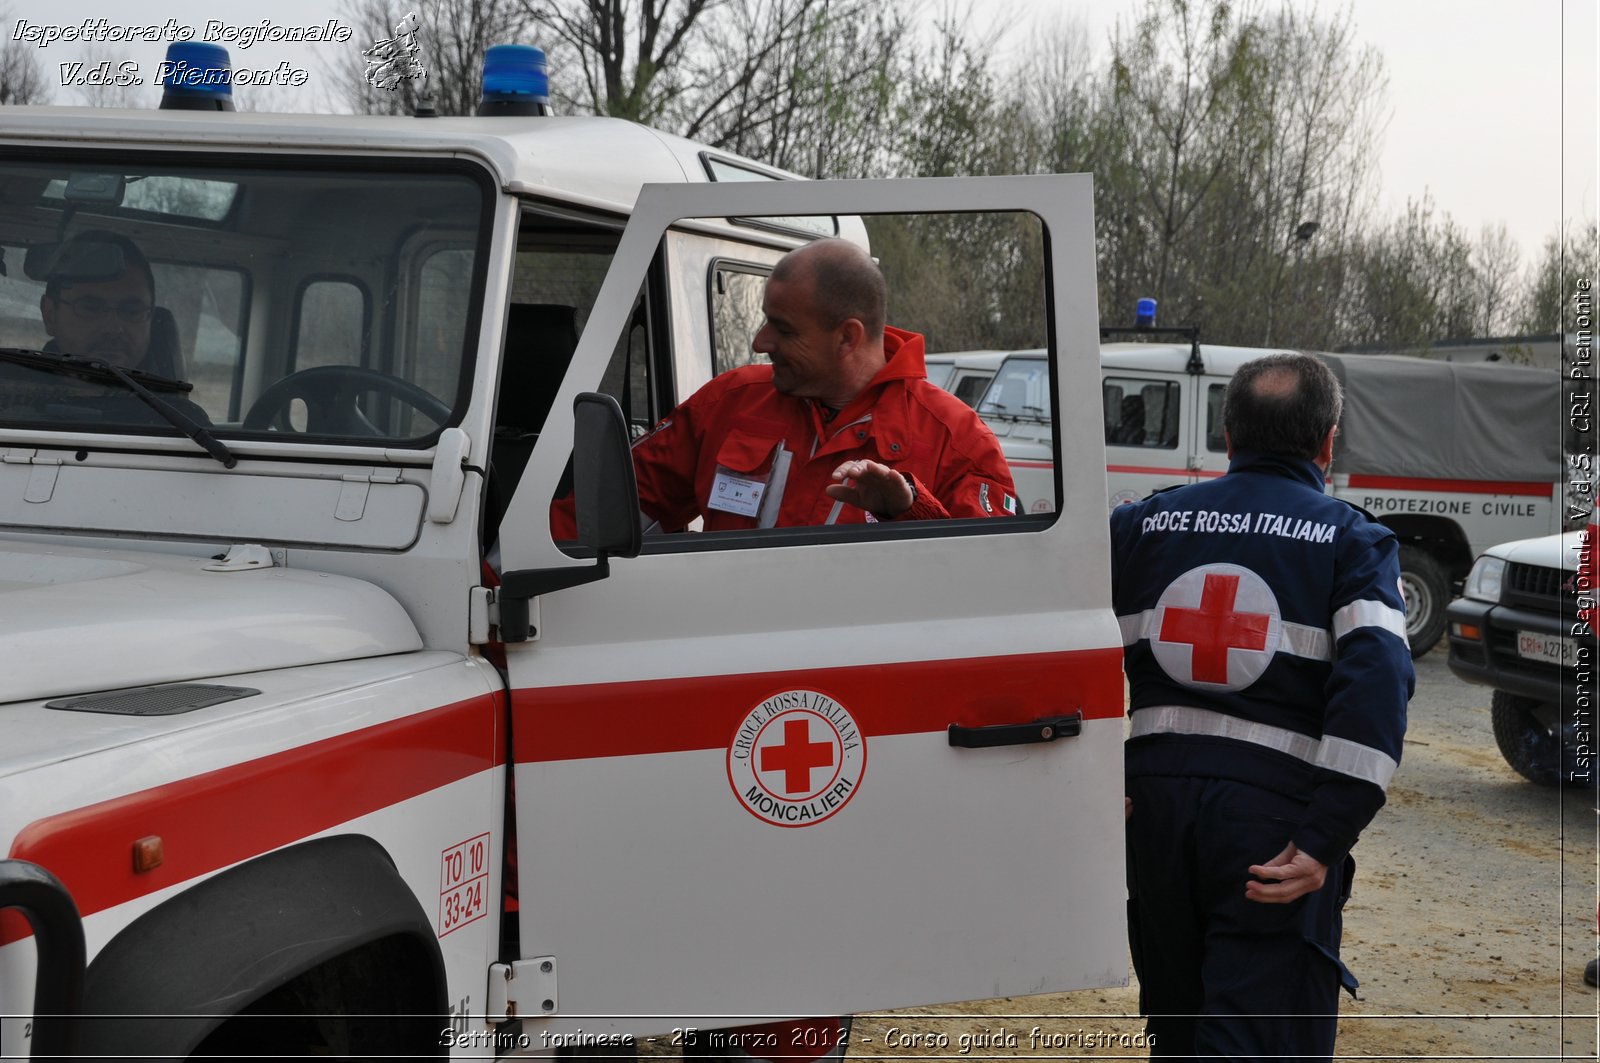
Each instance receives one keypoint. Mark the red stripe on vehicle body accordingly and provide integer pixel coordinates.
(1149, 470)
(1465, 487)
(221, 817)
(678, 715)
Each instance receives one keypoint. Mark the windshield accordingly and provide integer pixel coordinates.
(326, 303)
(1020, 390)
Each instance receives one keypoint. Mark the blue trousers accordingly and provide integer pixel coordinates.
(1219, 975)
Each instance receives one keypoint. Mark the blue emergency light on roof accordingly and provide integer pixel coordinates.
(515, 81)
(1144, 315)
(196, 76)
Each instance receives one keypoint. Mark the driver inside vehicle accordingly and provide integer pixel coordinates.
(99, 303)
(99, 306)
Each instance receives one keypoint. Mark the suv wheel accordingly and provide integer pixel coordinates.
(1427, 592)
(1528, 745)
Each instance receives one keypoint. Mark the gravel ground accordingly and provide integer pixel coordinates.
(1471, 920)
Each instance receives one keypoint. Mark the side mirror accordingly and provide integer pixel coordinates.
(604, 490)
(606, 500)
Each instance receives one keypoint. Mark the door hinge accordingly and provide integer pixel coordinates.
(482, 613)
(522, 989)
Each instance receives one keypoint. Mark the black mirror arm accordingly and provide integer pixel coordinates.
(607, 509)
(518, 588)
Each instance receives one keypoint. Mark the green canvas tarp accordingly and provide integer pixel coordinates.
(1456, 420)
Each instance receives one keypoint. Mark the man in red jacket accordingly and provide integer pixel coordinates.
(841, 427)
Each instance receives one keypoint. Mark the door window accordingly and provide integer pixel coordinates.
(1214, 439)
(764, 465)
(735, 314)
(1140, 412)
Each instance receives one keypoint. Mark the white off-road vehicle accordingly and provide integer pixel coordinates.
(293, 665)
(1523, 625)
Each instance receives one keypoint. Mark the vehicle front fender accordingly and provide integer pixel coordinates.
(180, 970)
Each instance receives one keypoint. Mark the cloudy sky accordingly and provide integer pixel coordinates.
(1492, 106)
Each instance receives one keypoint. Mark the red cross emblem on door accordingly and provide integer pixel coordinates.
(1216, 626)
(796, 756)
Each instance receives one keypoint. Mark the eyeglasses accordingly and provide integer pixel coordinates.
(100, 312)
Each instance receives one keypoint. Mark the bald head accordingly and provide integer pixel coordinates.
(824, 333)
(844, 283)
(1284, 404)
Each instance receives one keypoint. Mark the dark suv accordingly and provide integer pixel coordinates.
(1522, 627)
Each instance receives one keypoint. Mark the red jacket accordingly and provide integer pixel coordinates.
(741, 455)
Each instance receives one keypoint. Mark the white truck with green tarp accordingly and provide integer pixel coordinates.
(1455, 457)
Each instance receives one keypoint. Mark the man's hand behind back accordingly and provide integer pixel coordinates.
(1295, 874)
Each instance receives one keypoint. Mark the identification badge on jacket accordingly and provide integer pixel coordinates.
(732, 493)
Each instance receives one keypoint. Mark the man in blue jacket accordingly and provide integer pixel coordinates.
(1264, 643)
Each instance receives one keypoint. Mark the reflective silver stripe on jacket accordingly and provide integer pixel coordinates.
(1335, 754)
(1297, 639)
(1369, 613)
(777, 482)
(1300, 640)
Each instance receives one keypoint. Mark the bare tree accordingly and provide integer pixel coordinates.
(1054, 87)
(104, 61)
(22, 78)
(630, 53)
(832, 102)
(1411, 282)
(1546, 301)
(1306, 181)
(1183, 81)
(801, 84)
(1497, 268)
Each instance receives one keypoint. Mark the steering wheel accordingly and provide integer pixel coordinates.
(332, 395)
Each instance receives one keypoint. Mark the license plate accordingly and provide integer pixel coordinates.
(1552, 649)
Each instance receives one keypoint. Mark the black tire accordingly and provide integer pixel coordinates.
(1427, 593)
(1527, 744)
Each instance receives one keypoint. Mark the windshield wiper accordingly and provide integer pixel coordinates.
(85, 368)
(1011, 413)
(142, 384)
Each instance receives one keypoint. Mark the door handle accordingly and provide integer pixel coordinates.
(1044, 729)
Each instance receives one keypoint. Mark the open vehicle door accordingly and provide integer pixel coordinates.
(809, 771)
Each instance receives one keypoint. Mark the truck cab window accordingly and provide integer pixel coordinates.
(1214, 438)
(332, 324)
(1140, 413)
(297, 297)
